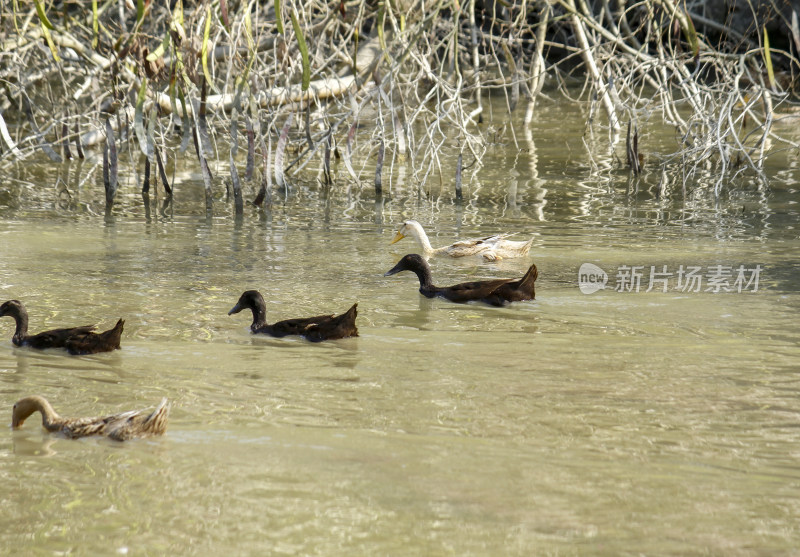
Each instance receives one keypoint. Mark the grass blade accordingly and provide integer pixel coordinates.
(204, 49)
(161, 49)
(95, 25)
(301, 44)
(768, 60)
(139, 12)
(691, 36)
(50, 44)
(42, 14)
(278, 17)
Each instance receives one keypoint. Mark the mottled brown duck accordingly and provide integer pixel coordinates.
(76, 340)
(119, 427)
(497, 292)
(315, 329)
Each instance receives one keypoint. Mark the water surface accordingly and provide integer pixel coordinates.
(611, 423)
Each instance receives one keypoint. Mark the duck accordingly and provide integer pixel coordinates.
(315, 329)
(491, 248)
(497, 292)
(76, 340)
(119, 427)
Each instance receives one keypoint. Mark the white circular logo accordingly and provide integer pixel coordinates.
(591, 278)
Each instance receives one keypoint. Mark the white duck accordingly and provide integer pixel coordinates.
(490, 248)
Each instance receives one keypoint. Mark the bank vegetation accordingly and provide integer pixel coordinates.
(294, 85)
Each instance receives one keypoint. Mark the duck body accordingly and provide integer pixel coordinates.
(497, 292)
(491, 248)
(76, 340)
(315, 329)
(119, 427)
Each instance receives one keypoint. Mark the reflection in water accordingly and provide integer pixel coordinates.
(22, 366)
(25, 445)
(379, 207)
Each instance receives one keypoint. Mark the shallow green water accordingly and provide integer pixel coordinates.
(610, 423)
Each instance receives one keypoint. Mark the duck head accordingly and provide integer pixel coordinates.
(411, 262)
(416, 264)
(400, 234)
(250, 299)
(254, 301)
(409, 228)
(12, 308)
(15, 310)
(27, 406)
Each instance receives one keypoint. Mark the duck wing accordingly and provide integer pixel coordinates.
(293, 326)
(472, 246)
(339, 326)
(138, 423)
(92, 343)
(56, 338)
(464, 248)
(469, 291)
(496, 292)
(82, 427)
(122, 426)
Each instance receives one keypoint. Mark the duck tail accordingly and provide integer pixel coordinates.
(156, 422)
(112, 336)
(348, 320)
(528, 244)
(350, 314)
(526, 283)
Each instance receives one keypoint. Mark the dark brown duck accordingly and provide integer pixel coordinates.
(315, 329)
(76, 340)
(497, 292)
